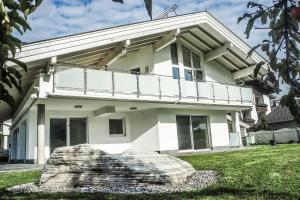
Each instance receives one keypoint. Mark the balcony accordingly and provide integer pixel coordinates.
(146, 87)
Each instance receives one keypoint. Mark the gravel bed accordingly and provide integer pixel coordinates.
(200, 179)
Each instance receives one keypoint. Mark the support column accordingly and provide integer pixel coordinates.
(5, 142)
(236, 125)
(41, 134)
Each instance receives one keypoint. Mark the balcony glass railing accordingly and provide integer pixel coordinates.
(121, 84)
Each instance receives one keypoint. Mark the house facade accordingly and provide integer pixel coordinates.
(165, 85)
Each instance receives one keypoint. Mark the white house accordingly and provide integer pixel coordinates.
(4, 134)
(164, 85)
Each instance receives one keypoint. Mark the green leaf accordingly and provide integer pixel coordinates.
(15, 72)
(257, 68)
(252, 50)
(264, 18)
(18, 62)
(148, 4)
(246, 15)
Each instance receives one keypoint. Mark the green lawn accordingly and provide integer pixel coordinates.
(260, 173)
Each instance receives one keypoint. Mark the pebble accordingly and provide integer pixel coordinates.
(199, 180)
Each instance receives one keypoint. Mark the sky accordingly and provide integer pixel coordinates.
(64, 17)
(56, 18)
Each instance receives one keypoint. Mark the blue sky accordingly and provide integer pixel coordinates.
(64, 17)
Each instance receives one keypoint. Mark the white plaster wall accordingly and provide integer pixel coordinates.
(162, 62)
(219, 135)
(141, 59)
(253, 114)
(144, 130)
(99, 133)
(266, 100)
(217, 73)
(167, 130)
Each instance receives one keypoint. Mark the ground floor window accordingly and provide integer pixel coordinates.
(116, 127)
(67, 131)
(192, 132)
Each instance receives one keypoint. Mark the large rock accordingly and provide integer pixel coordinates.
(87, 165)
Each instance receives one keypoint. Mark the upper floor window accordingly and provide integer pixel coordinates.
(135, 71)
(176, 74)
(174, 54)
(192, 65)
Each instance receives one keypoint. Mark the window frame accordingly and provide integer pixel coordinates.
(123, 127)
(193, 68)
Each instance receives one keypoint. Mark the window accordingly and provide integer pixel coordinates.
(188, 75)
(176, 74)
(116, 127)
(192, 65)
(135, 71)
(174, 54)
(186, 56)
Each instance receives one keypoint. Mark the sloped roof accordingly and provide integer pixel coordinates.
(201, 30)
(279, 114)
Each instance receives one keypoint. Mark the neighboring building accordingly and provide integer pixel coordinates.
(262, 105)
(280, 117)
(4, 134)
(165, 85)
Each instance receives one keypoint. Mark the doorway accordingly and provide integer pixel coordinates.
(192, 132)
(67, 132)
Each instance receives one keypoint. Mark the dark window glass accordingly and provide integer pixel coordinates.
(196, 61)
(135, 71)
(188, 75)
(198, 75)
(58, 133)
(116, 126)
(186, 57)
(77, 131)
(175, 71)
(174, 54)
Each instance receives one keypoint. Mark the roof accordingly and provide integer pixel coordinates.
(279, 114)
(201, 30)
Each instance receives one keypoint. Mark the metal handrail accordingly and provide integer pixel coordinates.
(141, 73)
(159, 92)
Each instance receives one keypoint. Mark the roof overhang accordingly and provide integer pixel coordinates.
(98, 48)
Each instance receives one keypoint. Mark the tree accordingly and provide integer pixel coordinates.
(148, 4)
(13, 16)
(281, 20)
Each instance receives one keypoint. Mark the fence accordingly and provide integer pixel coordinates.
(284, 135)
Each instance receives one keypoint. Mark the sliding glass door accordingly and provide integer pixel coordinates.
(77, 131)
(184, 132)
(58, 133)
(67, 132)
(200, 132)
(192, 132)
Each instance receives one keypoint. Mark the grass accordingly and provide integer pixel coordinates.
(261, 173)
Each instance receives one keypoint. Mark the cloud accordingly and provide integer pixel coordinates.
(64, 17)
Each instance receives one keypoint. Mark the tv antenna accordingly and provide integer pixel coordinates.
(166, 13)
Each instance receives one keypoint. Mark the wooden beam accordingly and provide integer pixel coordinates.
(166, 40)
(244, 72)
(113, 55)
(220, 51)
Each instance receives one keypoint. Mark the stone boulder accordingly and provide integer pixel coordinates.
(87, 165)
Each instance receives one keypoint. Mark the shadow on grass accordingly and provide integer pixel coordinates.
(212, 193)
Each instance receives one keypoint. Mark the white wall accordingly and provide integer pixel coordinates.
(266, 100)
(141, 59)
(217, 73)
(162, 62)
(144, 130)
(219, 135)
